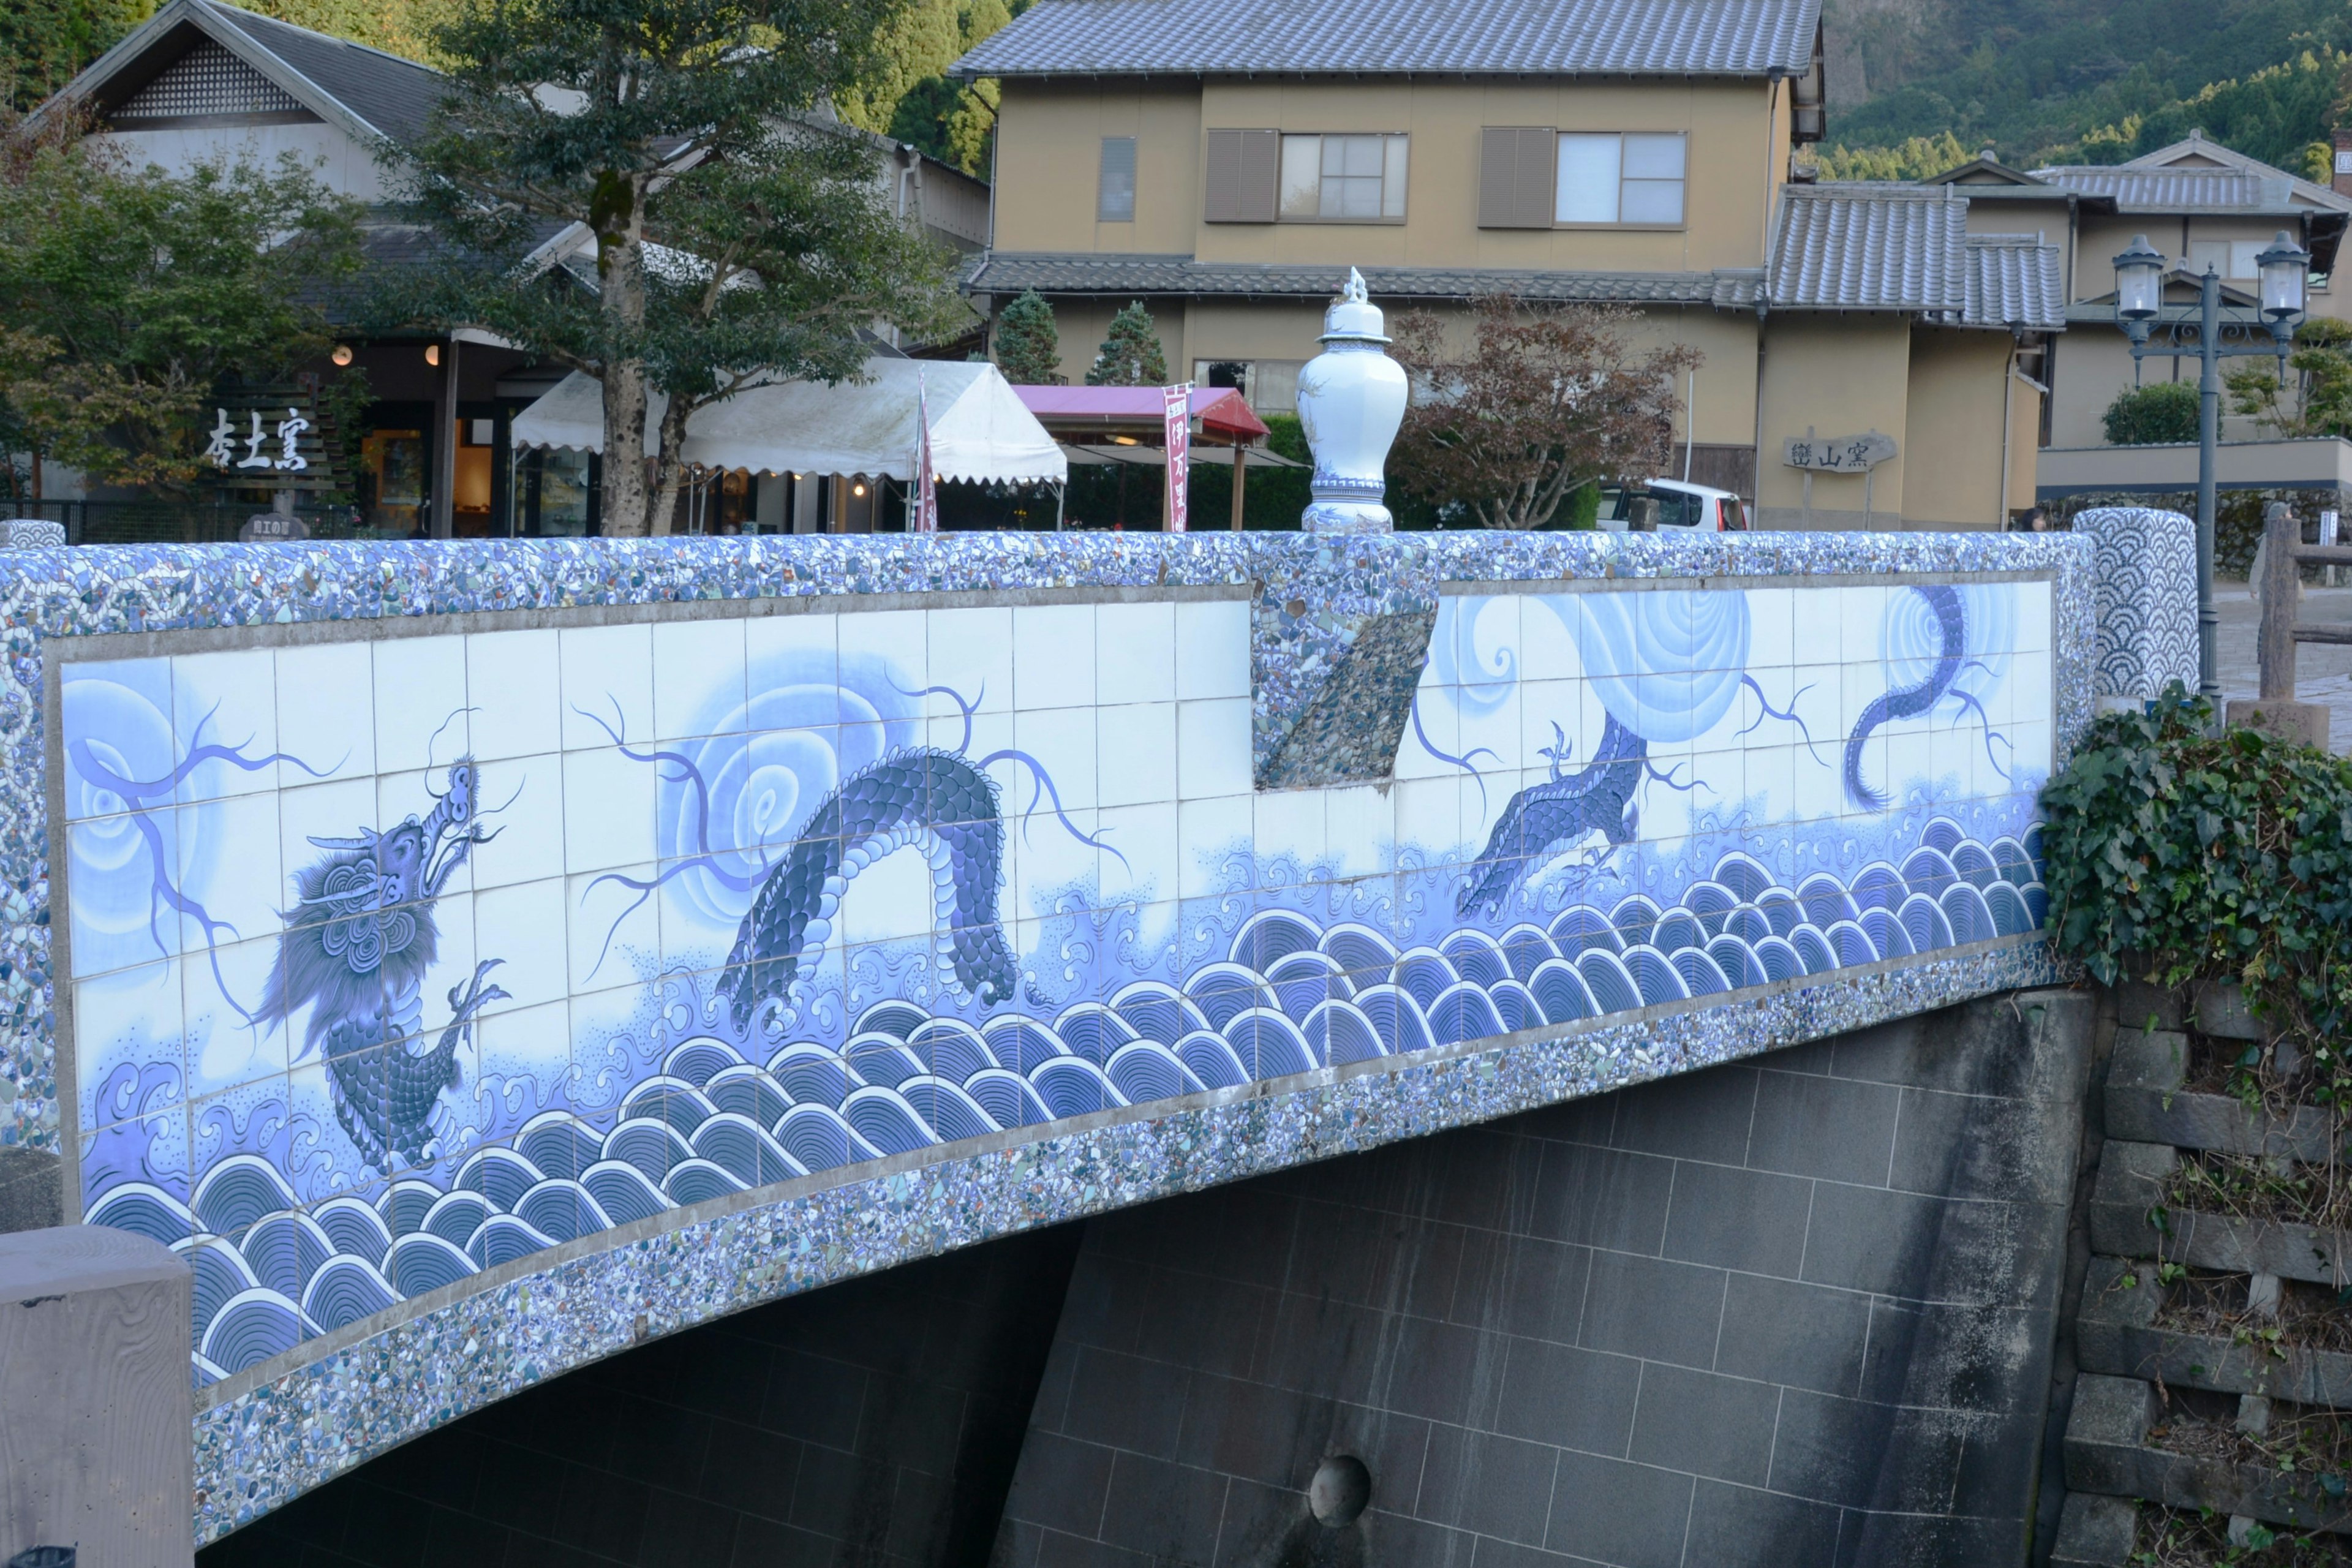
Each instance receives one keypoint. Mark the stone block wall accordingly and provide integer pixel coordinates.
(1793, 1311)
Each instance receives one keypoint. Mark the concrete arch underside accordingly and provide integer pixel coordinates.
(1801, 1309)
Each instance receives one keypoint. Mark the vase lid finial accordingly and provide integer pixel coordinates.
(1352, 318)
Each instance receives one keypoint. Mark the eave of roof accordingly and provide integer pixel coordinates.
(1204, 38)
(1097, 273)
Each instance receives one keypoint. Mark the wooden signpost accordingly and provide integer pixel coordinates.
(1813, 454)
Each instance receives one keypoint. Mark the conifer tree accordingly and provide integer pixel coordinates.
(734, 245)
(1028, 349)
(1131, 355)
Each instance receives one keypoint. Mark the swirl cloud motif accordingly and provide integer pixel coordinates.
(1476, 653)
(761, 767)
(1666, 665)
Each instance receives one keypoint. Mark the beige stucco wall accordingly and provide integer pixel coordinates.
(1050, 138)
(1837, 375)
(1953, 457)
(1049, 163)
(2094, 364)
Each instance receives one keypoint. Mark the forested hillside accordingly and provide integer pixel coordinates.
(2087, 80)
(44, 42)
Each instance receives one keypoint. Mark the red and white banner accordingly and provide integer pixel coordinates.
(927, 485)
(1179, 432)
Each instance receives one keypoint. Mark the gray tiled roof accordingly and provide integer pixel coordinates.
(1471, 37)
(2177, 190)
(391, 94)
(2013, 280)
(1083, 272)
(1869, 247)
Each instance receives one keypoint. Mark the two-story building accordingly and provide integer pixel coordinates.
(2199, 203)
(1226, 164)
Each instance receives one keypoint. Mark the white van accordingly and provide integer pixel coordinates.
(1664, 506)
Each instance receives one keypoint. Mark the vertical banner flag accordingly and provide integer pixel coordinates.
(1179, 431)
(926, 487)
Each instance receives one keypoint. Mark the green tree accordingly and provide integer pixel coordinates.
(952, 122)
(127, 295)
(920, 41)
(1131, 355)
(2317, 399)
(43, 42)
(1916, 158)
(734, 244)
(1028, 349)
(2159, 412)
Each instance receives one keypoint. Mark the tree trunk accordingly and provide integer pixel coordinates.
(670, 468)
(622, 263)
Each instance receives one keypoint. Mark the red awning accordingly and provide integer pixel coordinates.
(1086, 410)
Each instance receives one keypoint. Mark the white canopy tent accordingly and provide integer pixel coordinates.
(980, 430)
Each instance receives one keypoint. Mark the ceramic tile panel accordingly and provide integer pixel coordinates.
(577, 924)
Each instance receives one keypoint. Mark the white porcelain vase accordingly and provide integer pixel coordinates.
(1351, 398)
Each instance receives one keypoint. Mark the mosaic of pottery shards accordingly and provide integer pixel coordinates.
(397, 960)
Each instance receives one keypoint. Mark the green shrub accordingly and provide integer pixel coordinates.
(2176, 856)
(2164, 411)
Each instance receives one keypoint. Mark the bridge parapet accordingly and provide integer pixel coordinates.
(476, 959)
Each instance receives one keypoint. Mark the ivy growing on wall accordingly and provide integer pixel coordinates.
(2176, 856)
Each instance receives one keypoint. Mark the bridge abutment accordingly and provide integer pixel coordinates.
(1797, 1310)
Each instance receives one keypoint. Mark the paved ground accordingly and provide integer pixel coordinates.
(2322, 671)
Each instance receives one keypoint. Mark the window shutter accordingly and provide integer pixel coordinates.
(1515, 176)
(1242, 171)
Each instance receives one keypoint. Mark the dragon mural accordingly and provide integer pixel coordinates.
(923, 796)
(355, 949)
(1554, 816)
(1920, 697)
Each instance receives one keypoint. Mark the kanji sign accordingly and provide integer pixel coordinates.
(221, 450)
(1838, 454)
(1177, 425)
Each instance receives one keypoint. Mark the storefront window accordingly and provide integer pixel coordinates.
(393, 474)
(552, 492)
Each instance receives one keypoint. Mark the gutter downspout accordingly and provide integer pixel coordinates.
(2008, 396)
(1764, 255)
(1762, 310)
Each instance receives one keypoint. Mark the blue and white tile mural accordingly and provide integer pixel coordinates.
(393, 961)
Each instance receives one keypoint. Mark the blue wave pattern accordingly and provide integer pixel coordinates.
(1291, 995)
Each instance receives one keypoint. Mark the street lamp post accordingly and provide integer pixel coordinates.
(2203, 334)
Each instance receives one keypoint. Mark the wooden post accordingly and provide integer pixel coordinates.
(2275, 711)
(2281, 588)
(1239, 470)
(441, 522)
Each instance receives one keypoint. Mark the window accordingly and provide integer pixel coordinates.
(1115, 197)
(1635, 177)
(1342, 179)
(1265, 384)
(2230, 258)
